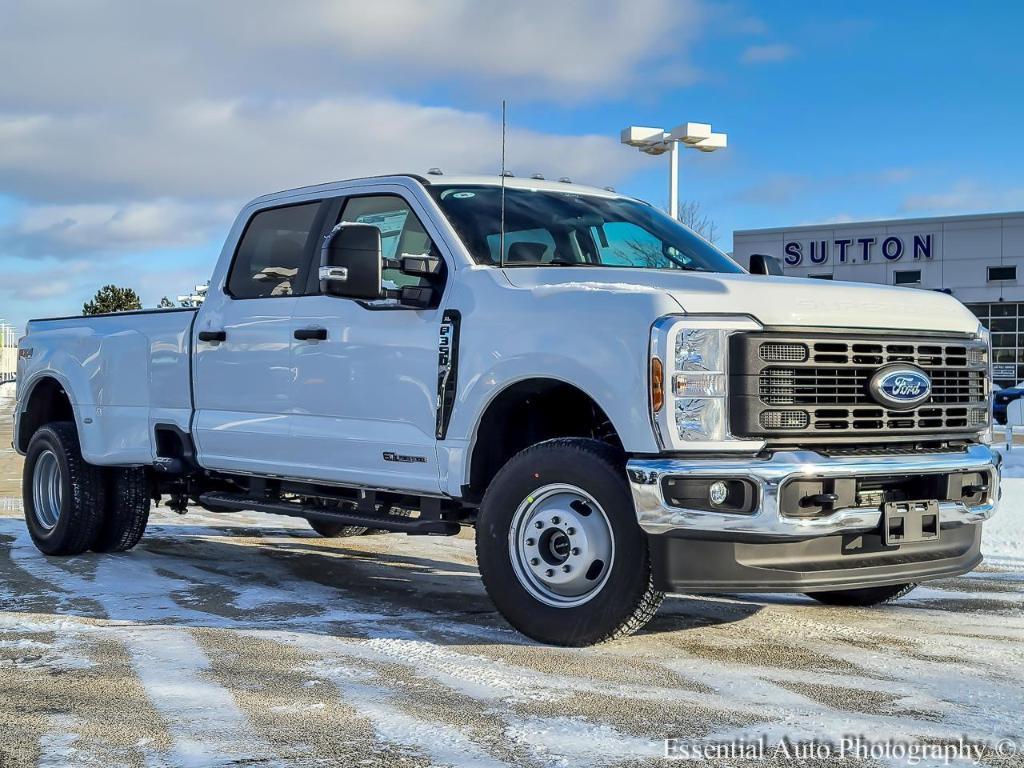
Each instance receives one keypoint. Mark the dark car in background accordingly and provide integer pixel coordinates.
(1002, 398)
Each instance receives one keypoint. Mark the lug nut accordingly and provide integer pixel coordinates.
(549, 573)
(530, 542)
(539, 524)
(534, 561)
(556, 520)
(566, 568)
(576, 551)
(571, 531)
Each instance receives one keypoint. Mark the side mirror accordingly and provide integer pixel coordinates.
(420, 265)
(350, 262)
(761, 264)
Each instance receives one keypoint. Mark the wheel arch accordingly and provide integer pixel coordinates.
(46, 400)
(528, 411)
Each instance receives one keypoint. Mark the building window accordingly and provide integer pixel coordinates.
(820, 277)
(1001, 318)
(1001, 273)
(907, 277)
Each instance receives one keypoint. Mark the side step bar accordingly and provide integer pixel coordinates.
(413, 526)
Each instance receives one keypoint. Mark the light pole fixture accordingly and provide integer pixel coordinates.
(658, 141)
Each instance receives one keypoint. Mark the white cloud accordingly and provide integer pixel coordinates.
(127, 127)
(965, 196)
(67, 230)
(769, 53)
(109, 52)
(240, 149)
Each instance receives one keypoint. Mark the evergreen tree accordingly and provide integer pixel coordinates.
(111, 298)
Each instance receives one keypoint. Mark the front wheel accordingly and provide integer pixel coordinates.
(559, 548)
(863, 597)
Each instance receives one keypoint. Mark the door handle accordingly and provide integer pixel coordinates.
(213, 336)
(311, 334)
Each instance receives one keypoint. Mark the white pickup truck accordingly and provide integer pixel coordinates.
(616, 407)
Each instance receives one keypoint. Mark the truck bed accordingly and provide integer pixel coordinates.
(125, 372)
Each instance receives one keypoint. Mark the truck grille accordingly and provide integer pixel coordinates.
(818, 385)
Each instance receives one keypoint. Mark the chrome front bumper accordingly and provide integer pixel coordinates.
(656, 516)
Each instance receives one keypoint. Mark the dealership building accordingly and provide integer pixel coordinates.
(978, 259)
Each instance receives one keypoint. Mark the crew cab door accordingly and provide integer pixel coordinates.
(366, 373)
(242, 375)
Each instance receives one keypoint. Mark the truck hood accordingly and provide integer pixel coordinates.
(778, 301)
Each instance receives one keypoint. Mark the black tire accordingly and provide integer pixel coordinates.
(626, 601)
(336, 530)
(82, 492)
(128, 503)
(395, 513)
(863, 597)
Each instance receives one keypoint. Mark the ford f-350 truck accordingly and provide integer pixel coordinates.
(618, 408)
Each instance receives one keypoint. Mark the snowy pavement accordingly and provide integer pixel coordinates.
(244, 639)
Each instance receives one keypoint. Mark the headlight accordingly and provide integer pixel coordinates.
(690, 382)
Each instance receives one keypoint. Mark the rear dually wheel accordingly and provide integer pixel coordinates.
(64, 496)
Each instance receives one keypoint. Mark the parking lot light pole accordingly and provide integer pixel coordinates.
(658, 141)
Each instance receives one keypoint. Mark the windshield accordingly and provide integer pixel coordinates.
(553, 229)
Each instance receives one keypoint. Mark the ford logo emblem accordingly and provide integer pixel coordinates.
(900, 386)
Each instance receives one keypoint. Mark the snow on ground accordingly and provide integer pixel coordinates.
(245, 639)
(1003, 542)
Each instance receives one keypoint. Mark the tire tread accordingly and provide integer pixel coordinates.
(863, 598)
(86, 506)
(647, 603)
(127, 515)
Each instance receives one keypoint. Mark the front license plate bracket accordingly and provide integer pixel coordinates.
(910, 522)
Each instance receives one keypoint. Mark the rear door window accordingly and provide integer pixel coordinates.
(273, 257)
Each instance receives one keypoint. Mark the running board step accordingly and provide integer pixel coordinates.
(413, 526)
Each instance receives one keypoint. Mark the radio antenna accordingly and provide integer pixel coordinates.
(501, 231)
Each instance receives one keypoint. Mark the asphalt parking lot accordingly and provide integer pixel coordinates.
(246, 640)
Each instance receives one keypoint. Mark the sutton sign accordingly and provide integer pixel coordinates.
(852, 250)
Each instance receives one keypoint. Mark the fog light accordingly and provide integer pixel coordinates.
(706, 494)
(718, 493)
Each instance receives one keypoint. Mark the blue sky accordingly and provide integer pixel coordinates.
(129, 133)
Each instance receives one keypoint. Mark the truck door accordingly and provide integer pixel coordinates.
(366, 373)
(242, 374)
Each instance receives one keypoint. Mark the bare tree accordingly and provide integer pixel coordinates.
(691, 214)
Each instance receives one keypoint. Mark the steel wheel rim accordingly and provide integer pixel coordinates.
(47, 490)
(561, 545)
